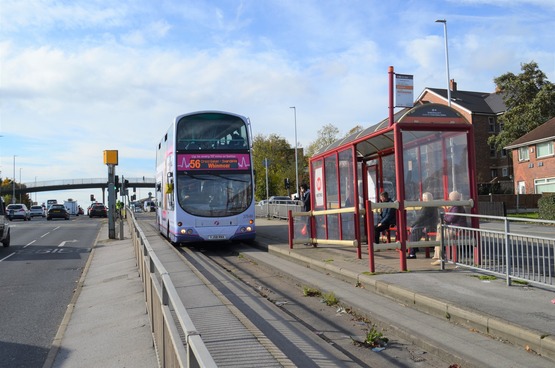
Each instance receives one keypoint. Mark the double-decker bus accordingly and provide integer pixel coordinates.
(204, 179)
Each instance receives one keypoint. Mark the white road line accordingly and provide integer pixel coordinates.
(25, 246)
(6, 257)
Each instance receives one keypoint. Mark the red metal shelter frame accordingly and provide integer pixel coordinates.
(430, 133)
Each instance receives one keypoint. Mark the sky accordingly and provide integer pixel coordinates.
(80, 77)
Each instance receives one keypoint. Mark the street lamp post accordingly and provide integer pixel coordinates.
(20, 184)
(13, 182)
(296, 154)
(446, 60)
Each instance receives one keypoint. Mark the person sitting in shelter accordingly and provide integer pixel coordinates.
(451, 217)
(387, 218)
(425, 222)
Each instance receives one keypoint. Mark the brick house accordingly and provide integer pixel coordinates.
(482, 110)
(534, 160)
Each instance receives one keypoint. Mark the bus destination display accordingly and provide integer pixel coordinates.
(213, 161)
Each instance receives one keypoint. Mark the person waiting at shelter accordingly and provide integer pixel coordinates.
(305, 197)
(425, 222)
(451, 216)
(387, 218)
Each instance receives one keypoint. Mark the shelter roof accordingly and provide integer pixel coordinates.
(379, 138)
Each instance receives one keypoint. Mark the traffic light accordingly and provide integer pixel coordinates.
(116, 184)
(287, 183)
(92, 197)
(124, 187)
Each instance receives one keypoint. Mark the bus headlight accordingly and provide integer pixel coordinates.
(245, 229)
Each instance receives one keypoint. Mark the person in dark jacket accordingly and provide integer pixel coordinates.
(387, 218)
(305, 197)
(451, 217)
(426, 221)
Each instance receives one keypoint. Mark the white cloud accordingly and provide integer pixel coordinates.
(101, 75)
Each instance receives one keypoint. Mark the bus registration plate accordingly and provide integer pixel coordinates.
(216, 237)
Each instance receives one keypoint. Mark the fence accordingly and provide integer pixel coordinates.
(163, 303)
(513, 255)
(503, 252)
(278, 209)
(513, 202)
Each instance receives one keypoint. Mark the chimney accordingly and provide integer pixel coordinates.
(452, 85)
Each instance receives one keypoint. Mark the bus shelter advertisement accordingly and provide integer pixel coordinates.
(213, 161)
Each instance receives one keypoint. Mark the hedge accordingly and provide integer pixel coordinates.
(546, 206)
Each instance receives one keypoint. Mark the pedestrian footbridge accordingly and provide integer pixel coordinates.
(70, 184)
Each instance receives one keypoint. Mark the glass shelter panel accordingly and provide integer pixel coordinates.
(318, 194)
(347, 179)
(435, 162)
(332, 196)
(389, 178)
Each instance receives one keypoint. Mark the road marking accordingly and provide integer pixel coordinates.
(6, 257)
(67, 241)
(43, 235)
(25, 246)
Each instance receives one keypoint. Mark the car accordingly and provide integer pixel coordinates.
(4, 225)
(37, 211)
(98, 210)
(149, 206)
(281, 200)
(57, 211)
(18, 211)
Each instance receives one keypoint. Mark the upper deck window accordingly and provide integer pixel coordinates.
(211, 131)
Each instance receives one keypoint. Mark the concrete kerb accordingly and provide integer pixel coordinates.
(492, 326)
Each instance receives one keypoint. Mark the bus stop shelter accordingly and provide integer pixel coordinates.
(427, 148)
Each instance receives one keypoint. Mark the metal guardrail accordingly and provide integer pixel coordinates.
(504, 253)
(167, 313)
(278, 209)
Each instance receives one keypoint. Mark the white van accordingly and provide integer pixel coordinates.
(149, 206)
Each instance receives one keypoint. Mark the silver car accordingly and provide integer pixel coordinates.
(37, 211)
(18, 211)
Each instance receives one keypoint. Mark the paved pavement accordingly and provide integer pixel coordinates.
(523, 315)
(107, 325)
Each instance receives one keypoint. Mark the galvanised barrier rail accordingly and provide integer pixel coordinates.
(507, 252)
(279, 209)
(166, 311)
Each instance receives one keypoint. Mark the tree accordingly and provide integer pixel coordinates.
(6, 191)
(530, 101)
(282, 164)
(326, 136)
